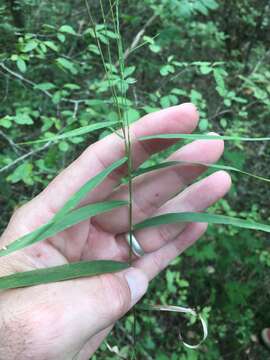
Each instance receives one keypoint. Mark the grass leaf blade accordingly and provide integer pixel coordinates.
(203, 137)
(173, 218)
(53, 228)
(84, 213)
(73, 133)
(87, 187)
(166, 164)
(61, 273)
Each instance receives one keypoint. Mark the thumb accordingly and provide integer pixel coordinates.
(118, 294)
(137, 282)
(101, 300)
(74, 311)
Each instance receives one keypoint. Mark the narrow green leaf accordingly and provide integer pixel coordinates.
(61, 273)
(73, 133)
(51, 45)
(166, 164)
(203, 137)
(87, 187)
(173, 218)
(54, 226)
(84, 213)
(57, 225)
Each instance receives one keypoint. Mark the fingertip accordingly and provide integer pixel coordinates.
(137, 282)
(178, 119)
(218, 142)
(190, 112)
(196, 230)
(189, 236)
(200, 228)
(224, 178)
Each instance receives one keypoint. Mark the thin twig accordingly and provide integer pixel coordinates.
(6, 88)
(75, 111)
(79, 33)
(25, 156)
(129, 337)
(220, 113)
(138, 36)
(14, 146)
(33, 84)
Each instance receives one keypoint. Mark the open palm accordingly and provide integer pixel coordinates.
(68, 320)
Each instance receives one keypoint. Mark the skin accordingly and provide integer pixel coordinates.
(69, 320)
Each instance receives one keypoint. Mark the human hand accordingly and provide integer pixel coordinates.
(69, 320)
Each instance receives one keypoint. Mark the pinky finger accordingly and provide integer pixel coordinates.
(153, 263)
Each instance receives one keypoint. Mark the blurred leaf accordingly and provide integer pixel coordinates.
(63, 146)
(21, 64)
(67, 29)
(67, 64)
(51, 45)
(23, 118)
(22, 173)
(45, 86)
(31, 45)
(166, 70)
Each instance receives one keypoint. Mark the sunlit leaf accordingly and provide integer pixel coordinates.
(67, 29)
(31, 45)
(21, 64)
(67, 65)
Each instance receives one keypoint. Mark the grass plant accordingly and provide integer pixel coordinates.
(71, 213)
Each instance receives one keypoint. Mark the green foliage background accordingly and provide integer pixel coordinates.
(213, 53)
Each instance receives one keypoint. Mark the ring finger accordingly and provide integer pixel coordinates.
(195, 198)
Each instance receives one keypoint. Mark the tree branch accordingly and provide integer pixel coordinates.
(14, 146)
(33, 84)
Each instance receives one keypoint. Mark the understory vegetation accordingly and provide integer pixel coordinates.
(212, 53)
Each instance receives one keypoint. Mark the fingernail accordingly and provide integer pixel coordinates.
(137, 283)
